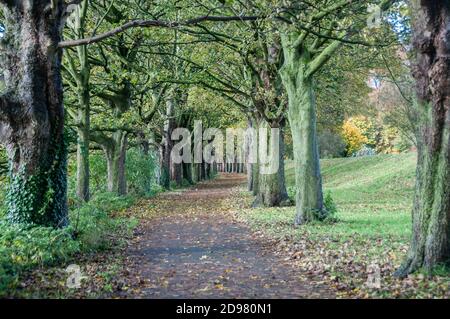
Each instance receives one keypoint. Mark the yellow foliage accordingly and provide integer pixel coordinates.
(388, 141)
(367, 127)
(353, 137)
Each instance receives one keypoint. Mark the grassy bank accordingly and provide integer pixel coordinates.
(374, 199)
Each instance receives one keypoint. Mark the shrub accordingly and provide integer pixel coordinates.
(91, 229)
(22, 248)
(110, 202)
(141, 172)
(388, 141)
(330, 207)
(331, 145)
(368, 128)
(353, 137)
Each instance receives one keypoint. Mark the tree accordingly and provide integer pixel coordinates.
(430, 244)
(32, 112)
(79, 76)
(309, 42)
(250, 61)
(31, 109)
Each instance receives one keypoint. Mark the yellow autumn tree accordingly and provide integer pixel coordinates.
(353, 137)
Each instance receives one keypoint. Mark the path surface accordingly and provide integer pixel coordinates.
(197, 251)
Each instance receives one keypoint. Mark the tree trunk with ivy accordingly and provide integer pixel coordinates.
(430, 244)
(32, 113)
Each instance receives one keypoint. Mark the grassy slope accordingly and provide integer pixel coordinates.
(373, 194)
(374, 199)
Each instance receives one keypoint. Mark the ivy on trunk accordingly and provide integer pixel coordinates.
(32, 113)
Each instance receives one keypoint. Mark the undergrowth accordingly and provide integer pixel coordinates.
(91, 229)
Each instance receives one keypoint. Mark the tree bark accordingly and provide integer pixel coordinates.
(165, 164)
(195, 173)
(116, 151)
(209, 174)
(187, 173)
(81, 79)
(272, 187)
(177, 173)
(254, 171)
(430, 244)
(302, 119)
(249, 177)
(255, 179)
(169, 126)
(203, 175)
(83, 170)
(32, 114)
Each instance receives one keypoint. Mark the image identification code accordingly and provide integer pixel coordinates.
(225, 308)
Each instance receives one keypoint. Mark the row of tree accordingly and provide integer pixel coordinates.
(132, 70)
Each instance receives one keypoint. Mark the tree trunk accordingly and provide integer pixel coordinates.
(81, 78)
(187, 173)
(302, 119)
(165, 164)
(203, 171)
(209, 173)
(177, 174)
(430, 244)
(168, 143)
(272, 186)
(83, 171)
(195, 173)
(255, 165)
(116, 157)
(249, 177)
(32, 114)
(144, 143)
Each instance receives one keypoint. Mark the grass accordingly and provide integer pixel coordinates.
(373, 195)
(374, 199)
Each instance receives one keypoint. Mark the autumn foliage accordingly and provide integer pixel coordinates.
(353, 137)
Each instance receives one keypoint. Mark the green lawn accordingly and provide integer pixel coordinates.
(373, 194)
(374, 199)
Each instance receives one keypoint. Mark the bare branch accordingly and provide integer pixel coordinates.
(153, 23)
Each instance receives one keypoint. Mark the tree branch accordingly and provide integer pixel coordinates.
(323, 58)
(153, 23)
